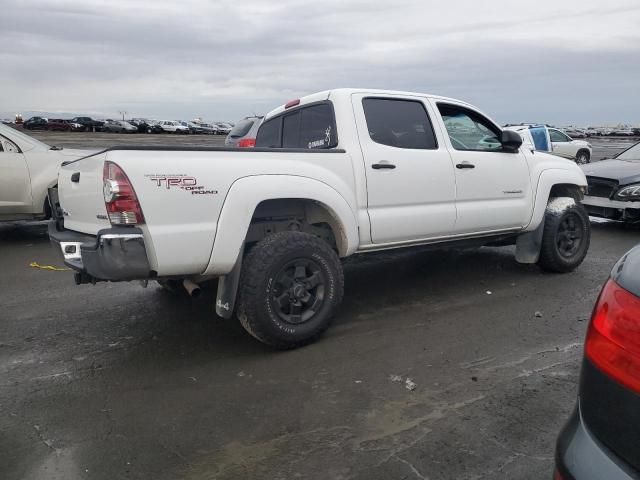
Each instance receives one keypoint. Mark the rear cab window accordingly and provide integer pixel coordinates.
(311, 126)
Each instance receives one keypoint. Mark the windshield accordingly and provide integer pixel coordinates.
(632, 153)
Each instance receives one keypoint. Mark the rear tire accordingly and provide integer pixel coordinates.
(566, 237)
(291, 286)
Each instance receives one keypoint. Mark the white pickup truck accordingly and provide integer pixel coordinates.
(333, 174)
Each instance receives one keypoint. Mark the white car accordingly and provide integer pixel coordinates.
(565, 146)
(171, 126)
(223, 128)
(27, 169)
(337, 173)
(623, 132)
(552, 140)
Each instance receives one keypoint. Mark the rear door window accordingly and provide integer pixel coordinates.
(291, 130)
(317, 129)
(399, 123)
(269, 134)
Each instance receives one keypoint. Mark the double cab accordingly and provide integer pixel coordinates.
(337, 173)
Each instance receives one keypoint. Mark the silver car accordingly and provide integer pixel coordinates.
(243, 135)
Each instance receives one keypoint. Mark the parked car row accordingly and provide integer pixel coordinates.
(620, 131)
(134, 125)
(577, 132)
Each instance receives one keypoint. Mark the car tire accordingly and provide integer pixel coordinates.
(566, 236)
(291, 285)
(583, 157)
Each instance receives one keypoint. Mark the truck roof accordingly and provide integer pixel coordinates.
(337, 93)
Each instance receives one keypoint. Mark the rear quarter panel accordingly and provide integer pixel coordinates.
(183, 192)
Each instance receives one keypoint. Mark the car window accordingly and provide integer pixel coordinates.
(311, 127)
(399, 123)
(241, 128)
(269, 134)
(317, 127)
(468, 130)
(632, 153)
(558, 136)
(291, 130)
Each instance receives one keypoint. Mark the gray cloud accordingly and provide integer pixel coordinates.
(561, 62)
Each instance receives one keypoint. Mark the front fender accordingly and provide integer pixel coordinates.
(547, 179)
(244, 196)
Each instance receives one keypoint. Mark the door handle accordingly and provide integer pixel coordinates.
(75, 177)
(378, 166)
(465, 165)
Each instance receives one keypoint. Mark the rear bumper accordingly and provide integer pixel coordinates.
(579, 456)
(114, 254)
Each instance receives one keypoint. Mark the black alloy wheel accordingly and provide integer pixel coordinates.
(298, 291)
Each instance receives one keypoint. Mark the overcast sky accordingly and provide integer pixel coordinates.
(568, 61)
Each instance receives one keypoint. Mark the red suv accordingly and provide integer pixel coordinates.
(58, 124)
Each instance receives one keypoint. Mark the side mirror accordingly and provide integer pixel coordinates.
(510, 140)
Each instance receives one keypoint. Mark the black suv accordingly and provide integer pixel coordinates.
(88, 123)
(36, 123)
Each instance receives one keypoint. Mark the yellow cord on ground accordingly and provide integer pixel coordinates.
(48, 267)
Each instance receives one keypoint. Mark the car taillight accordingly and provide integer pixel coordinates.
(120, 198)
(247, 143)
(613, 338)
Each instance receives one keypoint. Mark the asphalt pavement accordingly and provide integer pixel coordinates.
(447, 364)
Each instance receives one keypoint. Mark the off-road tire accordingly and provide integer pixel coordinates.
(259, 281)
(551, 257)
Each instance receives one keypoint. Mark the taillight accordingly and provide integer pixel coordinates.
(120, 198)
(613, 338)
(247, 143)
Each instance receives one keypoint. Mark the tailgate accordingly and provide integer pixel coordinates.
(80, 194)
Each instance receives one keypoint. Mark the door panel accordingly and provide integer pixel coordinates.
(410, 179)
(493, 186)
(15, 186)
(561, 143)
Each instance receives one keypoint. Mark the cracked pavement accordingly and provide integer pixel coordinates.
(116, 381)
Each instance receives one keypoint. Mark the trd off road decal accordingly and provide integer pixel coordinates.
(180, 181)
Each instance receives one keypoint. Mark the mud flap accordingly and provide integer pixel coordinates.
(228, 289)
(528, 245)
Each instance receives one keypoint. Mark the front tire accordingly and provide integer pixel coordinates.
(290, 288)
(566, 237)
(583, 157)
